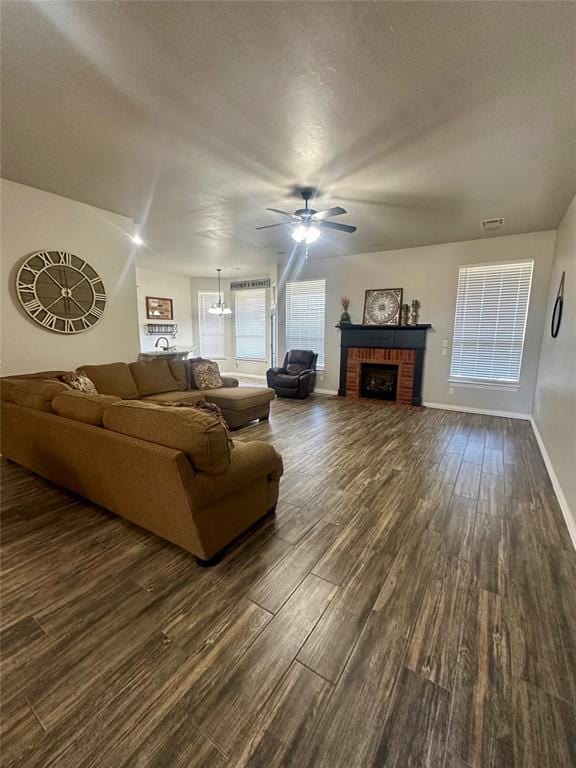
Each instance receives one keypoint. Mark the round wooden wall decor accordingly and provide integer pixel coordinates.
(558, 307)
(61, 292)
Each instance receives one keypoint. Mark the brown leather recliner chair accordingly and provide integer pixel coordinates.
(297, 377)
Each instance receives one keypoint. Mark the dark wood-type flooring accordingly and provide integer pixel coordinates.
(411, 605)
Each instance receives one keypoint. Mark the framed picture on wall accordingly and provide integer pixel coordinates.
(382, 306)
(158, 308)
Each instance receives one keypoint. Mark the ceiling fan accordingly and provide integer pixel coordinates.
(306, 221)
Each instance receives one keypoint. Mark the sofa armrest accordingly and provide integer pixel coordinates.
(249, 463)
(229, 381)
(276, 370)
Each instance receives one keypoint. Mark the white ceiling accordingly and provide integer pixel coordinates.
(193, 117)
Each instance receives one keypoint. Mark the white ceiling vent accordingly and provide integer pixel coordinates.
(491, 224)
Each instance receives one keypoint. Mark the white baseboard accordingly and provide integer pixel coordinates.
(326, 391)
(484, 411)
(566, 511)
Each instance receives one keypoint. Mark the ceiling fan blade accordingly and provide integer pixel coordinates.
(284, 213)
(336, 211)
(269, 226)
(340, 227)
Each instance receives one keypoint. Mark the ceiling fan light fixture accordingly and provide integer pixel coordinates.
(305, 233)
(312, 234)
(307, 223)
(299, 233)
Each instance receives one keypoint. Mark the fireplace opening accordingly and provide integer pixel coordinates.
(379, 381)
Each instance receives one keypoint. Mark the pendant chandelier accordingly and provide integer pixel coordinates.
(219, 307)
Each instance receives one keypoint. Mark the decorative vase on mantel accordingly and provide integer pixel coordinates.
(345, 317)
(415, 311)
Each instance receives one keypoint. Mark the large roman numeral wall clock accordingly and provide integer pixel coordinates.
(61, 292)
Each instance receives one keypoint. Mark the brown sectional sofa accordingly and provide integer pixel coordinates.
(169, 470)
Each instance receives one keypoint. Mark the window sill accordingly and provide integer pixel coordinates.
(485, 384)
(251, 359)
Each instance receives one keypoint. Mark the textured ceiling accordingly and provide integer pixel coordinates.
(192, 117)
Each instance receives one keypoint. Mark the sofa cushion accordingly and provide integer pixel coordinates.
(153, 377)
(51, 375)
(210, 408)
(206, 375)
(81, 406)
(239, 398)
(191, 396)
(200, 436)
(180, 370)
(33, 393)
(112, 379)
(79, 381)
(229, 381)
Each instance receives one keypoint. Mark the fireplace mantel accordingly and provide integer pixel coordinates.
(359, 326)
(391, 337)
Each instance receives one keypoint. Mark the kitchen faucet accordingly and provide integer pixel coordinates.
(162, 338)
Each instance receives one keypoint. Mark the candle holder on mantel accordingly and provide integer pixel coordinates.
(405, 314)
(415, 311)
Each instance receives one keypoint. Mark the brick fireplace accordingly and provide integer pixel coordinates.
(382, 362)
(403, 359)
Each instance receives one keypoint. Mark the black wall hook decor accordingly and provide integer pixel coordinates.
(558, 306)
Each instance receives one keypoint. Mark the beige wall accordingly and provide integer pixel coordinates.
(431, 274)
(555, 399)
(155, 282)
(32, 220)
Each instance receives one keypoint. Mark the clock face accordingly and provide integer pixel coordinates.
(61, 292)
(382, 307)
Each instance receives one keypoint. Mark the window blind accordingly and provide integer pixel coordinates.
(251, 324)
(490, 322)
(212, 341)
(305, 310)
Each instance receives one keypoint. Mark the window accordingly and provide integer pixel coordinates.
(491, 311)
(251, 324)
(305, 305)
(212, 342)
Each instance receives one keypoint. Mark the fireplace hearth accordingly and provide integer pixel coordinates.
(378, 381)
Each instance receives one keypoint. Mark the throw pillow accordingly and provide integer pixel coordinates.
(179, 369)
(79, 381)
(210, 408)
(206, 375)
